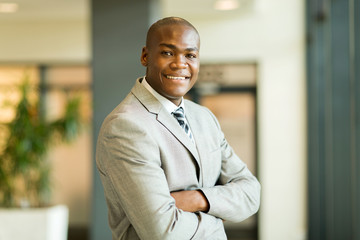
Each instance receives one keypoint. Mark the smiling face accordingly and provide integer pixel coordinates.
(172, 60)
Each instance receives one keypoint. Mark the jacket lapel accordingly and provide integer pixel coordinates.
(173, 126)
(163, 117)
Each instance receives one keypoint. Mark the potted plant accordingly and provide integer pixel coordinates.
(25, 184)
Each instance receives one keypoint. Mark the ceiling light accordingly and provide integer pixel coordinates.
(226, 4)
(8, 7)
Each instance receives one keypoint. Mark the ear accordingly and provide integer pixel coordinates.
(144, 56)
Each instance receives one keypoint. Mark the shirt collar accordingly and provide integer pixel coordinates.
(167, 104)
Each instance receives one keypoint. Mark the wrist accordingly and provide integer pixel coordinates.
(203, 203)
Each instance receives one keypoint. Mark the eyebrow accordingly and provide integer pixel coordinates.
(171, 46)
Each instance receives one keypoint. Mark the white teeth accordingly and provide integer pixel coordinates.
(176, 78)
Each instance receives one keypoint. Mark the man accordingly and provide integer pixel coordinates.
(166, 175)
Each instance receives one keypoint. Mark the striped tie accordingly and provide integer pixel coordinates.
(180, 117)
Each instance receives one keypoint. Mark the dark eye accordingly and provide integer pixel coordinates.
(166, 53)
(191, 55)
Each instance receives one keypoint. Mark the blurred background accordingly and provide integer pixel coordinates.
(280, 75)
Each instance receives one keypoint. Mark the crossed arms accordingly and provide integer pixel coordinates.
(191, 201)
(136, 186)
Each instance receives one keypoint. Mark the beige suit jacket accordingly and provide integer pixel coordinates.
(143, 154)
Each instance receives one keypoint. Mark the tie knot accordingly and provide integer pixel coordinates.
(179, 111)
(179, 115)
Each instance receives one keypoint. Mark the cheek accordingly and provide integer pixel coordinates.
(194, 68)
(161, 63)
(195, 74)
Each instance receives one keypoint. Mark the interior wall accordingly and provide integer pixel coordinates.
(55, 40)
(272, 35)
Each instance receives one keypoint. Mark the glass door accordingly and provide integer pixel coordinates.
(229, 91)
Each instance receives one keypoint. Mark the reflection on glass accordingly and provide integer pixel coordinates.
(236, 114)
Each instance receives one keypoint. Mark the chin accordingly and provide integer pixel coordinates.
(179, 94)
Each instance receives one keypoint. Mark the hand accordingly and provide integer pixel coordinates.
(191, 201)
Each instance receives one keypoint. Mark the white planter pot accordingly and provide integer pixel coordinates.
(34, 223)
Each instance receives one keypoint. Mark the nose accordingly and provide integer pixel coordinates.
(179, 62)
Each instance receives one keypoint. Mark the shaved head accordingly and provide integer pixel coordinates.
(166, 22)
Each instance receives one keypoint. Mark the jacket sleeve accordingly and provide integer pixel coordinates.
(129, 163)
(236, 196)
